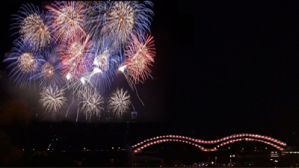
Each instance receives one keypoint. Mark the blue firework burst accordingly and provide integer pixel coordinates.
(49, 69)
(24, 63)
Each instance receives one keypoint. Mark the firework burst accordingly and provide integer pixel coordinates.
(91, 102)
(52, 99)
(49, 69)
(24, 63)
(124, 17)
(76, 58)
(119, 102)
(66, 20)
(32, 27)
(140, 55)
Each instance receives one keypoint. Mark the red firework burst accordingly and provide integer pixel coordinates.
(140, 55)
(76, 58)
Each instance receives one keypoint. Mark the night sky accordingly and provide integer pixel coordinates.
(221, 66)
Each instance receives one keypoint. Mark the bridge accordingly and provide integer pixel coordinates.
(199, 143)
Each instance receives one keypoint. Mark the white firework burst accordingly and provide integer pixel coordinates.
(26, 62)
(34, 29)
(91, 101)
(119, 102)
(125, 16)
(52, 99)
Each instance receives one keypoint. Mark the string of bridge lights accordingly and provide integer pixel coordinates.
(229, 139)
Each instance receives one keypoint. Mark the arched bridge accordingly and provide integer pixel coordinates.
(217, 143)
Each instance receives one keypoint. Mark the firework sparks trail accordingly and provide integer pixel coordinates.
(70, 105)
(80, 84)
(138, 96)
(132, 85)
(95, 16)
(119, 102)
(77, 114)
(52, 99)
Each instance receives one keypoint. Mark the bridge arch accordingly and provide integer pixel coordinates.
(171, 140)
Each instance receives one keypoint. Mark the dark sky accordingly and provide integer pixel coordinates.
(230, 64)
(220, 65)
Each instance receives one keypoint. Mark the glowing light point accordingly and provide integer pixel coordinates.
(122, 68)
(68, 76)
(97, 70)
(82, 80)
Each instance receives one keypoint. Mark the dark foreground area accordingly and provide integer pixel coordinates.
(59, 144)
(163, 159)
